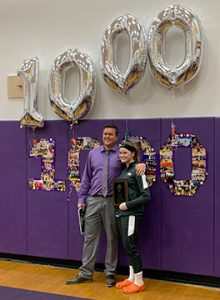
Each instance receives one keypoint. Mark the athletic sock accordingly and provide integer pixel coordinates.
(138, 279)
(131, 274)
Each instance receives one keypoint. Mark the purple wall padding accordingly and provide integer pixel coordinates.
(13, 210)
(48, 211)
(217, 198)
(178, 234)
(187, 222)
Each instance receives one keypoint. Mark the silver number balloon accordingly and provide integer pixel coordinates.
(77, 108)
(29, 72)
(123, 82)
(183, 18)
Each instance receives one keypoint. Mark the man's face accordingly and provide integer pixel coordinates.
(109, 137)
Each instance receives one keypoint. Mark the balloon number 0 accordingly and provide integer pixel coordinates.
(138, 53)
(141, 44)
(190, 24)
(78, 108)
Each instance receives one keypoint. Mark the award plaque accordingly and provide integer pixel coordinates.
(120, 191)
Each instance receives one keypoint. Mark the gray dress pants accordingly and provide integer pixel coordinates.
(100, 213)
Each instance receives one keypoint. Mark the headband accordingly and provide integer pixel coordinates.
(129, 147)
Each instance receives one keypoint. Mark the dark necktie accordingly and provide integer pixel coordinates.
(105, 175)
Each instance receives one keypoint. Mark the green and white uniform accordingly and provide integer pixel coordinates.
(129, 220)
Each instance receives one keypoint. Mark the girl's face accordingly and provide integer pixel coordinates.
(126, 156)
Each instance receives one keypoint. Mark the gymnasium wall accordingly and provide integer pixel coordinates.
(179, 233)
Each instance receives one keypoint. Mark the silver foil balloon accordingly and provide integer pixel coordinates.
(29, 72)
(77, 108)
(123, 82)
(183, 18)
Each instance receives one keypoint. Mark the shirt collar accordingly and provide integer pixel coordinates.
(114, 149)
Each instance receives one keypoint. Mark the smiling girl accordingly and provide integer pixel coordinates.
(130, 215)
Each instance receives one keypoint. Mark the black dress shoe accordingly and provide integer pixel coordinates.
(110, 280)
(78, 279)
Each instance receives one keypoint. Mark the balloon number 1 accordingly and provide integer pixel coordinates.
(140, 44)
(29, 72)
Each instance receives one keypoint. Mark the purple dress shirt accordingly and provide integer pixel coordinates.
(91, 183)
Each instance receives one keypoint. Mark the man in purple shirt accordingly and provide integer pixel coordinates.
(100, 211)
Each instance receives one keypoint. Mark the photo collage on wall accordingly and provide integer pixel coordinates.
(45, 148)
(81, 143)
(198, 173)
(148, 156)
